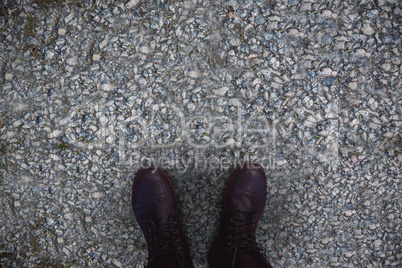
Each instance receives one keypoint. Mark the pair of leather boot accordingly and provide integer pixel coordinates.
(155, 208)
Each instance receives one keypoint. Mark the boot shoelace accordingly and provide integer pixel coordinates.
(164, 241)
(241, 237)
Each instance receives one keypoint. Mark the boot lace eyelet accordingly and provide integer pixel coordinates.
(179, 247)
(176, 232)
(232, 220)
(231, 228)
(229, 236)
(177, 240)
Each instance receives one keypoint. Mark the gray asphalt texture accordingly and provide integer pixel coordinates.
(93, 90)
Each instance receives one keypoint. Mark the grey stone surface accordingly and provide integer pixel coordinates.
(93, 90)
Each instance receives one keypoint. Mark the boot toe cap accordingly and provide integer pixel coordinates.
(247, 188)
(151, 184)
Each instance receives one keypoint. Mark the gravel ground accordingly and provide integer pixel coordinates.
(91, 91)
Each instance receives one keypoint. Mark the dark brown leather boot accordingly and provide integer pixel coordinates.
(155, 208)
(244, 201)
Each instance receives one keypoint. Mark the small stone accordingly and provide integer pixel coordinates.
(17, 203)
(259, 20)
(326, 13)
(400, 157)
(8, 76)
(308, 102)
(360, 52)
(326, 39)
(396, 60)
(352, 85)
(107, 87)
(230, 15)
(55, 133)
(193, 74)
(97, 195)
(117, 263)
(354, 159)
(329, 81)
(96, 57)
(377, 243)
(61, 31)
(367, 30)
(88, 219)
(144, 49)
(300, 250)
(386, 67)
(335, 147)
(55, 157)
(234, 102)
(72, 61)
(60, 240)
(392, 1)
(220, 91)
(132, 3)
(191, 107)
(49, 55)
(328, 72)
(70, 17)
(349, 213)
(349, 254)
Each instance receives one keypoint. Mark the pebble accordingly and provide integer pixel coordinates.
(54, 134)
(96, 57)
(234, 102)
(377, 243)
(132, 3)
(72, 61)
(107, 87)
(221, 91)
(97, 195)
(367, 30)
(49, 55)
(352, 85)
(117, 263)
(386, 67)
(259, 20)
